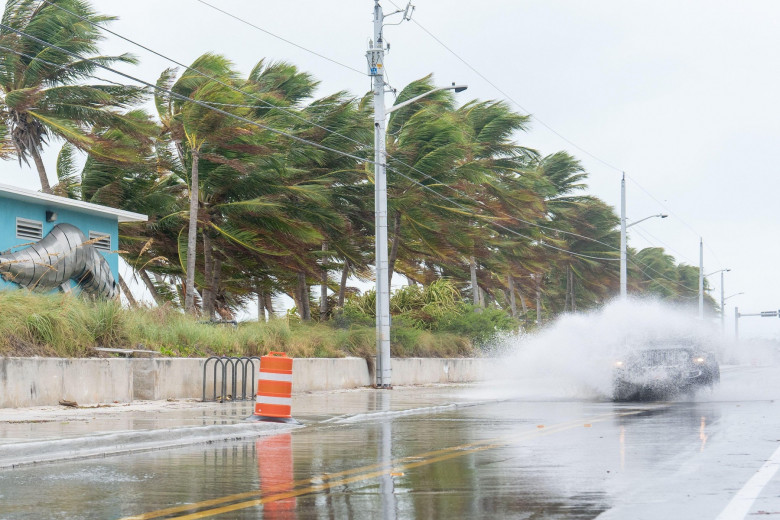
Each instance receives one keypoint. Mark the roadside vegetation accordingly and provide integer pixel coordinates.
(62, 325)
(240, 213)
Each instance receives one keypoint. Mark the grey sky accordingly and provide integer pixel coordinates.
(680, 95)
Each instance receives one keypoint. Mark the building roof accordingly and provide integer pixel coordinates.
(12, 192)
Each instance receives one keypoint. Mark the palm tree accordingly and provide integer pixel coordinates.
(425, 143)
(193, 124)
(145, 185)
(39, 85)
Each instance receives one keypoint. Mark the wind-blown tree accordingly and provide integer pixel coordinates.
(657, 273)
(564, 176)
(190, 122)
(654, 272)
(495, 177)
(587, 229)
(146, 185)
(257, 210)
(425, 143)
(589, 276)
(42, 94)
(340, 123)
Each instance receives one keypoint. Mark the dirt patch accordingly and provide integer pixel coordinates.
(18, 347)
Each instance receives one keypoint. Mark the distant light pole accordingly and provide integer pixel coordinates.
(375, 56)
(736, 316)
(701, 278)
(623, 242)
(722, 299)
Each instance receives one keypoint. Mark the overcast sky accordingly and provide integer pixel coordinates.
(682, 96)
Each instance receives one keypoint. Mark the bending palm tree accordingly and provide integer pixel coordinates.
(40, 97)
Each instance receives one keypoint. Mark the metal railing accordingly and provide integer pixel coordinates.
(226, 373)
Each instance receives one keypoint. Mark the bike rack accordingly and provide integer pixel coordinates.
(231, 368)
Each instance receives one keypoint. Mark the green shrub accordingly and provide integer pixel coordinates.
(479, 327)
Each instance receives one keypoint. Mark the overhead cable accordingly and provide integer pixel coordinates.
(274, 130)
(235, 17)
(295, 115)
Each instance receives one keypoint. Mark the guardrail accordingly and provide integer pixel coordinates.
(229, 369)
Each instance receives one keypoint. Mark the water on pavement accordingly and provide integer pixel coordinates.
(411, 454)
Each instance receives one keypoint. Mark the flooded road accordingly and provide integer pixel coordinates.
(515, 458)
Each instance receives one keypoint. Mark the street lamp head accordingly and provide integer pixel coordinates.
(459, 88)
(663, 215)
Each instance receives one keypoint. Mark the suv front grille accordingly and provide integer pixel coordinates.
(670, 357)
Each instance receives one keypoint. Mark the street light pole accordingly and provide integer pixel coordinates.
(623, 246)
(623, 241)
(701, 278)
(722, 303)
(736, 314)
(722, 299)
(375, 56)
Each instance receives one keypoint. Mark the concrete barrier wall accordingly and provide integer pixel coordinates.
(420, 371)
(310, 374)
(45, 381)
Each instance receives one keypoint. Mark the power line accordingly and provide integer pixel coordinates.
(286, 134)
(235, 17)
(540, 121)
(678, 217)
(510, 98)
(236, 105)
(293, 114)
(512, 231)
(204, 75)
(273, 130)
(482, 204)
(645, 234)
(664, 205)
(311, 143)
(180, 96)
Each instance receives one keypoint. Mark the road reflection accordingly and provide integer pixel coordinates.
(276, 474)
(665, 431)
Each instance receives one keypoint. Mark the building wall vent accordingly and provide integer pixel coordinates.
(29, 229)
(100, 240)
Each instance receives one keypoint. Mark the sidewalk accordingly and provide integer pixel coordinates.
(52, 433)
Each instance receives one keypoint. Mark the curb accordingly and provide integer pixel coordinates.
(101, 445)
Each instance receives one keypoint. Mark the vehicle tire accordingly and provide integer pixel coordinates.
(622, 391)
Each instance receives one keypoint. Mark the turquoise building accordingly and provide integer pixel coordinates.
(49, 242)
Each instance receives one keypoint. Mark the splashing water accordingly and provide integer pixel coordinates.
(573, 358)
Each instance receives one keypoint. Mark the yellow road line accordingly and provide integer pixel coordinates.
(367, 476)
(312, 480)
(365, 472)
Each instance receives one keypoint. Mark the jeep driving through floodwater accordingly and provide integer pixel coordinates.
(663, 372)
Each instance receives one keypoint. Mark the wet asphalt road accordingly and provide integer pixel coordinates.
(567, 458)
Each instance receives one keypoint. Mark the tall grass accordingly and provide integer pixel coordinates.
(68, 326)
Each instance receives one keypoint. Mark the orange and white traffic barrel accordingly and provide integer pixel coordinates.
(274, 389)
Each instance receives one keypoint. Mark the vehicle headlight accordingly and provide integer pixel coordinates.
(698, 360)
(618, 364)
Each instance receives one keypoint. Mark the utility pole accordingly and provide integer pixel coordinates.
(376, 59)
(701, 278)
(722, 303)
(623, 245)
(624, 240)
(736, 324)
